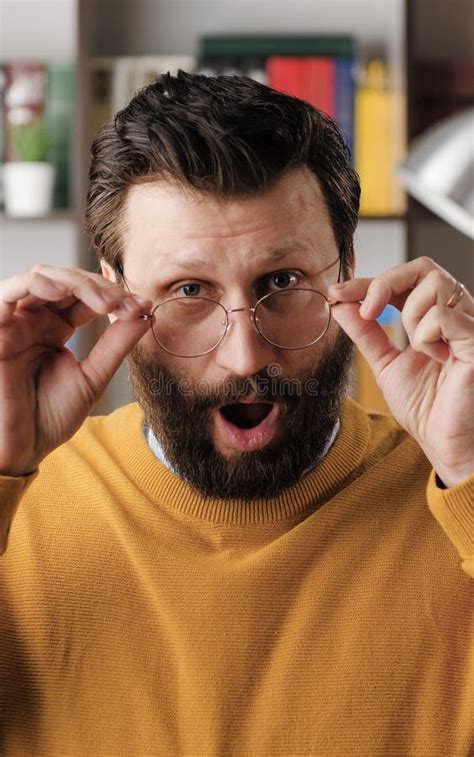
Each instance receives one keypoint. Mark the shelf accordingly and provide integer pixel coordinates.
(55, 215)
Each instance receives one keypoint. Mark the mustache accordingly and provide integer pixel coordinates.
(266, 386)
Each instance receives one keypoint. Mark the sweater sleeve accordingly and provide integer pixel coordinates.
(11, 491)
(454, 510)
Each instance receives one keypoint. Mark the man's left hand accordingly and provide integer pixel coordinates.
(429, 385)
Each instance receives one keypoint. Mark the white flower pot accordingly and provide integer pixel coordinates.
(28, 189)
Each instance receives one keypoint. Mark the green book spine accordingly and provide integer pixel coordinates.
(60, 125)
(334, 46)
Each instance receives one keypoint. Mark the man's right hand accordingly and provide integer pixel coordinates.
(45, 392)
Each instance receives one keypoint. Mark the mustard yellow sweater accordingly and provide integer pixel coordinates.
(138, 618)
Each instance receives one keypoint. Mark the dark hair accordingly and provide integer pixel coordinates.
(229, 136)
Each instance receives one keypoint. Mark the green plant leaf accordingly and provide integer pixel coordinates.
(30, 141)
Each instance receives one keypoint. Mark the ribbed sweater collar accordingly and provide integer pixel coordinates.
(170, 491)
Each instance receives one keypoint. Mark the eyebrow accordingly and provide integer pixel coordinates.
(287, 248)
(274, 254)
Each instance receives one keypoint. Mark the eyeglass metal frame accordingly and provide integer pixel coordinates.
(252, 310)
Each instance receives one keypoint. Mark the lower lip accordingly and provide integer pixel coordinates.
(247, 439)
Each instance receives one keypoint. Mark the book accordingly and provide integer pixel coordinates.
(115, 80)
(345, 99)
(130, 74)
(378, 142)
(315, 68)
(100, 87)
(319, 76)
(309, 78)
(254, 68)
(266, 45)
(285, 74)
(59, 118)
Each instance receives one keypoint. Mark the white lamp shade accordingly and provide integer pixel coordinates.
(439, 171)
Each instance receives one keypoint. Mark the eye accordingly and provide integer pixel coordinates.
(281, 280)
(191, 289)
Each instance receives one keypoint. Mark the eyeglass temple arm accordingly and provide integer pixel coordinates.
(119, 272)
(335, 302)
(149, 316)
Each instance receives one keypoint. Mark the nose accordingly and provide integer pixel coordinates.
(243, 351)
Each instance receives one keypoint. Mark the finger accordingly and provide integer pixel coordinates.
(362, 291)
(434, 289)
(71, 275)
(79, 314)
(26, 330)
(44, 284)
(110, 350)
(391, 287)
(444, 331)
(30, 302)
(33, 284)
(369, 337)
(100, 294)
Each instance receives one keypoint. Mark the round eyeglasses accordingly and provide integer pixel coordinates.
(290, 319)
(192, 326)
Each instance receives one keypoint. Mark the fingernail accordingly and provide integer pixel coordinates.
(129, 304)
(140, 300)
(365, 307)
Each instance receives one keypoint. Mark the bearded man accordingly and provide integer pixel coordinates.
(243, 561)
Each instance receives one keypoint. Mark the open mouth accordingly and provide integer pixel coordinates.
(246, 414)
(246, 426)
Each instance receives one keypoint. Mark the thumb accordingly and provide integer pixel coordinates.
(368, 335)
(110, 350)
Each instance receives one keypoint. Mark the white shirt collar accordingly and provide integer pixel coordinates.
(157, 449)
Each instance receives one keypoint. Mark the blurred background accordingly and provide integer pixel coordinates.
(388, 71)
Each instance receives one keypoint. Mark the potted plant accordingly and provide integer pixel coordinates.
(29, 178)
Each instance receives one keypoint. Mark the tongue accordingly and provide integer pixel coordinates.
(246, 414)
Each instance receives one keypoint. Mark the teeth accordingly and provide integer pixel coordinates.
(246, 414)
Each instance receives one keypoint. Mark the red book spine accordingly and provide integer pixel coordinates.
(285, 74)
(310, 79)
(320, 78)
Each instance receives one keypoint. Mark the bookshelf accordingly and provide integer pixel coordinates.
(406, 31)
(25, 35)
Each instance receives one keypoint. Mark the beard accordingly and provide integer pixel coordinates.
(179, 414)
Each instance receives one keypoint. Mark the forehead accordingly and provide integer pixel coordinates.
(165, 224)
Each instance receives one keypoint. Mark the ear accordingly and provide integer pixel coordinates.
(107, 271)
(109, 274)
(351, 261)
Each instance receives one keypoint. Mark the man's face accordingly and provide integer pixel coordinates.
(247, 419)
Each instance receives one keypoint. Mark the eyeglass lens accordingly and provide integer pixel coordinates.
(192, 326)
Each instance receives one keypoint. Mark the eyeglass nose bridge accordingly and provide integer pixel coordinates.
(251, 310)
(240, 310)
